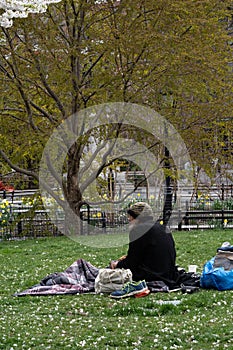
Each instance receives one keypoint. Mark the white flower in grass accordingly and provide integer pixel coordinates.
(82, 343)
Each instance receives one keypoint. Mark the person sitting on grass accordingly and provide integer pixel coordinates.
(151, 252)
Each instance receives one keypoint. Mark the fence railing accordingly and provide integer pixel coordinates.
(20, 225)
(40, 225)
(25, 223)
(12, 196)
(105, 221)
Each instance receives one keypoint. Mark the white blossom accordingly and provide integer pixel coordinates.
(21, 9)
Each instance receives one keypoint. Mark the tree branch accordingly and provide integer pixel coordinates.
(17, 168)
(19, 85)
(43, 112)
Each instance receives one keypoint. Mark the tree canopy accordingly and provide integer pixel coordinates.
(172, 56)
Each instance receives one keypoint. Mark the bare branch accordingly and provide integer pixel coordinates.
(94, 175)
(92, 158)
(53, 171)
(146, 178)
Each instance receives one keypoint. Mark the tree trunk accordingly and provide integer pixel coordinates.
(73, 193)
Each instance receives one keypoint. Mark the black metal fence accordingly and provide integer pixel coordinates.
(104, 221)
(19, 226)
(22, 222)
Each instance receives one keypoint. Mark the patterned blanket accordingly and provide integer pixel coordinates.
(77, 278)
(80, 278)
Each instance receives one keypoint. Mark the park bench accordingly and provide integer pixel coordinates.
(206, 219)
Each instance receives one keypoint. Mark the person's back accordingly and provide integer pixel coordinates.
(151, 253)
(156, 254)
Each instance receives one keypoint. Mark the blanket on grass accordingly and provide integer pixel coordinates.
(80, 278)
(77, 278)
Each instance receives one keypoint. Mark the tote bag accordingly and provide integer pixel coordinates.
(108, 280)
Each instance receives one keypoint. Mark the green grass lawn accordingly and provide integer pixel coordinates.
(202, 320)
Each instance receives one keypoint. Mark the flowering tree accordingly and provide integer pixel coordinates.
(21, 8)
(170, 56)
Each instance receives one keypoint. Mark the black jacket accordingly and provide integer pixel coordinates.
(151, 253)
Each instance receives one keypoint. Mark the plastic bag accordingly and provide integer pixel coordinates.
(216, 277)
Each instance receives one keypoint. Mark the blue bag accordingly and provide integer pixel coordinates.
(218, 277)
